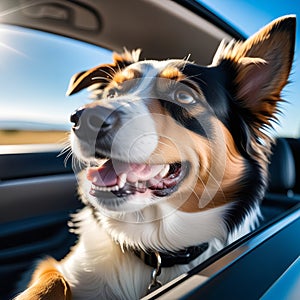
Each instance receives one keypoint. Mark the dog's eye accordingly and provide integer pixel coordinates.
(185, 97)
(112, 93)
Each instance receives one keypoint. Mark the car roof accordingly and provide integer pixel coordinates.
(163, 29)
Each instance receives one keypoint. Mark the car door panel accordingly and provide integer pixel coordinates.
(37, 195)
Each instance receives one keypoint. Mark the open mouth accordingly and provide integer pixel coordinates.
(124, 179)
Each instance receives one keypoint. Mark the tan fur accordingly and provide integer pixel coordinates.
(47, 284)
(173, 143)
(172, 73)
(231, 167)
(127, 74)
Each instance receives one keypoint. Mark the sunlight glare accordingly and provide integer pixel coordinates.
(7, 37)
(7, 47)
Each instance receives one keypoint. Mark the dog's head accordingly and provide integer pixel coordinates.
(177, 133)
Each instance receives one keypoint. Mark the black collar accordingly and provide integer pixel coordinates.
(170, 259)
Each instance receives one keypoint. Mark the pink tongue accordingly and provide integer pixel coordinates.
(102, 176)
(107, 174)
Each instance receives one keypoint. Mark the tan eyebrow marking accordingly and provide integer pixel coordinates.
(127, 74)
(172, 73)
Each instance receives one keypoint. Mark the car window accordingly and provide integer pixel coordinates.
(35, 71)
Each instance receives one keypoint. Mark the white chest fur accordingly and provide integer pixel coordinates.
(97, 268)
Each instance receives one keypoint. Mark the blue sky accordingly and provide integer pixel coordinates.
(35, 68)
(248, 17)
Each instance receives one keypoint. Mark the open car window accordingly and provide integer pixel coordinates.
(35, 70)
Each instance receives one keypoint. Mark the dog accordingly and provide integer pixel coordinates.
(171, 159)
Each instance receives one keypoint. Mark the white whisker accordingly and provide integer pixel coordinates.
(109, 75)
(101, 78)
(114, 71)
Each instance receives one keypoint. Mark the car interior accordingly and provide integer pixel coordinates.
(38, 189)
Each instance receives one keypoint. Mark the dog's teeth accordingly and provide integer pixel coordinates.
(122, 180)
(164, 171)
(105, 188)
(141, 184)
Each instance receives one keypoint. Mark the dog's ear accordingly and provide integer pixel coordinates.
(261, 66)
(102, 74)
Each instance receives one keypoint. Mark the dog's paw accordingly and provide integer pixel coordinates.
(47, 284)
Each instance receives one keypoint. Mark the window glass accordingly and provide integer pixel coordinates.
(35, 71)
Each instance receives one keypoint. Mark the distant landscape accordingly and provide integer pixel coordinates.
(24, 132)
(9, 137)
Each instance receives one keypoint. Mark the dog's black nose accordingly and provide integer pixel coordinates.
(95, 120)
(76, 116)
